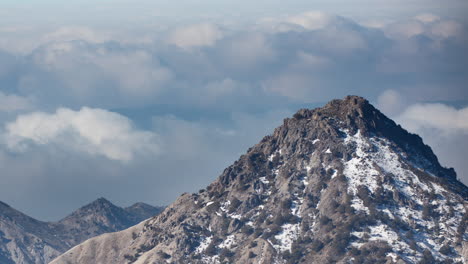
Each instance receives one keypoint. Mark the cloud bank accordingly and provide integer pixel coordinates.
(162, 109)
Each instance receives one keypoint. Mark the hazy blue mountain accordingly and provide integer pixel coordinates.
(26, 240)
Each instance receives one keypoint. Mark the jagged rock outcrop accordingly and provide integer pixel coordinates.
(24, 240)
(338, 184)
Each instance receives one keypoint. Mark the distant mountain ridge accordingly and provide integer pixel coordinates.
(338, 184)
(25, 240)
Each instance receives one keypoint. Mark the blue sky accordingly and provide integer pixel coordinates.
(144, 100)
(126, 10)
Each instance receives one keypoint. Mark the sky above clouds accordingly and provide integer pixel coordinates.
(144, 100)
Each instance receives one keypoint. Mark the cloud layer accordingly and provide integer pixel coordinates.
(313, 50)
(163, 108)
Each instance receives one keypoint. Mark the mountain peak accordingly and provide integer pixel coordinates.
(355, 113)
(101, 200)
(337, 184)
(352, 112)
(142, 206)
(26, 240)
(349, 103)
(338, 107)
(99, 204)
(102, 216)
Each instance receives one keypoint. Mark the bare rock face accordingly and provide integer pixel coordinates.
(24, 240)
(338, 184)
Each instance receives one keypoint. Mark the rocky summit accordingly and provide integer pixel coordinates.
(338, 184)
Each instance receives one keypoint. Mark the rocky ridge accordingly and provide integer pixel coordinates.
(25, 240)
(337, 184)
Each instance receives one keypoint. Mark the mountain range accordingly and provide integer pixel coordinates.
(337, 184)
(25, 240)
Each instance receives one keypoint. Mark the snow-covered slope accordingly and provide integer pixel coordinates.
(338, 184)
(24, 240)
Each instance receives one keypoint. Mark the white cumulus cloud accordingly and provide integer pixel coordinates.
(447, 28)
(405, 29)
(196, 35)
(87, 71)
(91, 131)
(311, 20)
(64, 34)
(248, 51)
(445, 129)
(445, 118)
(298, 87)
(427, 18)
(391, 102)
